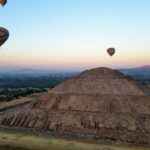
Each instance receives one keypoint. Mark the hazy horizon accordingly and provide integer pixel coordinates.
(45, 69)
(64, 34)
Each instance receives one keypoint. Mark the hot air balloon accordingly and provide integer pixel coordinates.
(4, 34)
(111, 51)
(3, 2)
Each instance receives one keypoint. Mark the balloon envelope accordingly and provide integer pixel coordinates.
(111, 51)
(3, 2)
(4, 34)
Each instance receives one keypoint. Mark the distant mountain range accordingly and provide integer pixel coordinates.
(33, 72)
(138, 72)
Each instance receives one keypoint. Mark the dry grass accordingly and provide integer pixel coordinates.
(21, 141)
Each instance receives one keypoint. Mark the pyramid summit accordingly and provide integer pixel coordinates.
(99, 103)
(100, 81)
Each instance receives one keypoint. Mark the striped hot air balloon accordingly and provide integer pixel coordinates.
(4, 34)
(3, 2)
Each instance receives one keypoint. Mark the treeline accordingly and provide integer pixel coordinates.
(13, 87)
(9, 94)
(34, 82)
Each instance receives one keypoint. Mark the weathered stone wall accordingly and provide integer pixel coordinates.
(94, 103)
(127, 128)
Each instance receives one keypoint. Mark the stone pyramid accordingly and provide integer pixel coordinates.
(99, 104)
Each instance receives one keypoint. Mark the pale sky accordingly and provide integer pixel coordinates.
(76, 33)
